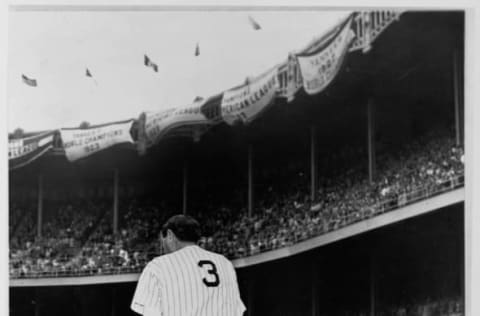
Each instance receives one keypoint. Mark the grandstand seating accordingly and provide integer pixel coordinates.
(441, 307)
(447, 306)
(79, 241)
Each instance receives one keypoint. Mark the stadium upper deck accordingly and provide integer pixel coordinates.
(406, 77)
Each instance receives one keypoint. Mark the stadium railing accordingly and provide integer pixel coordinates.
(386, 205)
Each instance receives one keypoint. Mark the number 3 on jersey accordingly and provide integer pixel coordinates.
(214, 281)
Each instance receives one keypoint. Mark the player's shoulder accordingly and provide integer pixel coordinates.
(158, 263)
(169, 259)
(218, 257)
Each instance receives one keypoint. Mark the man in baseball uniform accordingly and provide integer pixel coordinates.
(187, 280)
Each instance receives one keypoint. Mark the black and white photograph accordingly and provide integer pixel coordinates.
(239, 160)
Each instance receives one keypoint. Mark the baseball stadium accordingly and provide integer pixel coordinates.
(334, 182)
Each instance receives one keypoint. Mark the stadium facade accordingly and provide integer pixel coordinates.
(347, 201)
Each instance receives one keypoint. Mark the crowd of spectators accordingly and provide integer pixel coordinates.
(447, 306)
(78, 240)
(439, 307)
(62, 237)
(420, 168)
(130, 248)
(22, 226)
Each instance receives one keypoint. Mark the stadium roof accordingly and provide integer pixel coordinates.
(410, 60)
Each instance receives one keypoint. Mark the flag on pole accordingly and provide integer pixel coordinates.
(248, 80)
(197, 99)
(147, 62)
(254, 24)
(29, 81)
(89, 74)
(197, 50)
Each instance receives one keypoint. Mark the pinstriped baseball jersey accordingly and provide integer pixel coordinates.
(188, 282)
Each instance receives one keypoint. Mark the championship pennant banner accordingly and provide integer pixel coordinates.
(319, 68)
(246, 102)
(80, 143)
(158, 123)
(25, 150)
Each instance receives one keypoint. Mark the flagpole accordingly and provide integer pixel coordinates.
(195, 75)
(89, 74)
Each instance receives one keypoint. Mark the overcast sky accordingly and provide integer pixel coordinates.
(55, 48)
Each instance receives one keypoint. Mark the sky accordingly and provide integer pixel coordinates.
(56, 47)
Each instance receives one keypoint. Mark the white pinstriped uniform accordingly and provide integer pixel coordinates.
(188, 282)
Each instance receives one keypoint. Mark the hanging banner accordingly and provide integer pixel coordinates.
(318, 68)
(79, 143)
(246, 102)
(211, 108)
(25, 150)
(157, 124)
(292, 82)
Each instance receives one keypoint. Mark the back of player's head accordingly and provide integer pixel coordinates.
(185, 227)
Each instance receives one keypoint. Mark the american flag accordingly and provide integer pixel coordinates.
(29, 81)
(254, 24)
(148, 62)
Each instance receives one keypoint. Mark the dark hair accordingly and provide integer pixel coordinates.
(185, 227)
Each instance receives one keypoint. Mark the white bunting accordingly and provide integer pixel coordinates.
(25, 150)
(80, 143)
(158, 123)
(319, 68)
(248, 101)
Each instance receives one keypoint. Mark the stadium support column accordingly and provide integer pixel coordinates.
(40, 206)
(115, 201)
(456, 100)
(313, 162)
(250, 180)
(371, 139)
(185, 186)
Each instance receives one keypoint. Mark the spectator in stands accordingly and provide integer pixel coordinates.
(77, 239)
